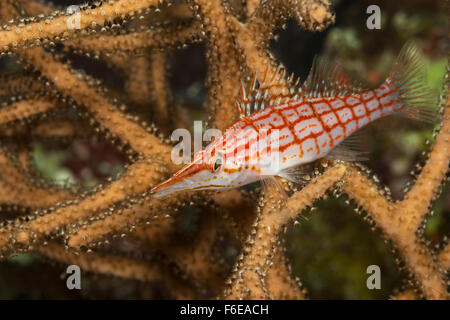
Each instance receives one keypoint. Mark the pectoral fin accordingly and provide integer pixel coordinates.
(353, 148)
(299, 174)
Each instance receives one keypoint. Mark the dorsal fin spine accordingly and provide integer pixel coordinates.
(253, 85)
(265, 73)
(275, 87)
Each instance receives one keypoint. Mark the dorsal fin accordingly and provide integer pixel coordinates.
(272, 88)
(328, 79)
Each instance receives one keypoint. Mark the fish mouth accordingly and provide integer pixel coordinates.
(165, 191)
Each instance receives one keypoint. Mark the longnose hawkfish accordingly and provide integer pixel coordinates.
(284, 126)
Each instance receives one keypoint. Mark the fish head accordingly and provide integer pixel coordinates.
(211, 169)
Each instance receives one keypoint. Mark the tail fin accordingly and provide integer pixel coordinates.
(413, 98)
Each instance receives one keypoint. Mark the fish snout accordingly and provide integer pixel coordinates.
(180, 181)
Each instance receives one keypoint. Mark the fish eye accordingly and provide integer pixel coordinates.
(216, 162)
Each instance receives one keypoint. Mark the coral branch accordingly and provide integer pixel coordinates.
(223, 59)
(22, 110)
(417, 200)
(110, 265)
(399, 227)
(314, 15)
(121, 222)
(152, 39)
(119, 267)
(147, 174)
(102, 110)
(444, 257)
(160, 85)
(35, 33)
(401, 221)
(406, 295)
(280, 283)
(260, 249)
(19, 190)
